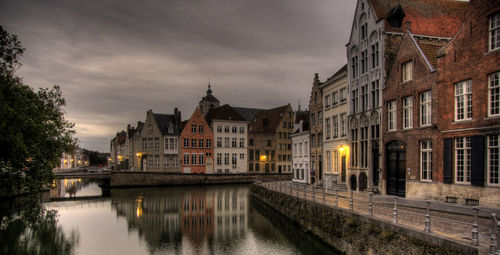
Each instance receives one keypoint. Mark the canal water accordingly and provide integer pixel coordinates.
(83, 219)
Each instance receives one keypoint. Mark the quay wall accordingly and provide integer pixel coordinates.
(133, 179)
(357, 234)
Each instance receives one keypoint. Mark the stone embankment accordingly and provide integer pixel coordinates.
(354, 233)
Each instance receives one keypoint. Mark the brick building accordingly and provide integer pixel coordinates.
(316, 131)
(469, 119)
(197, 145)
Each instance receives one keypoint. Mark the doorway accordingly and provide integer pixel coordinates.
(396, 168)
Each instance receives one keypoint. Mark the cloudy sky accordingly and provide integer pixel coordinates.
(114, 60)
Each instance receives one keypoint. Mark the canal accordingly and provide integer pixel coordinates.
(83, 219)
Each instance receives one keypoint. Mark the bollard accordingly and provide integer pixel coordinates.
(493, 237)
(428, 218)
(370, 205)
(475, 233)
(351, 202)
(324, 195)
(280, 186)
(336, 196)
(395, 211)
(313, 193)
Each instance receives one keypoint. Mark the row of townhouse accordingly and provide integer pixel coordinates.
(214, 140)
(422, 80)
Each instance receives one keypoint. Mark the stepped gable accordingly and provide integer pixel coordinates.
(247, 113)
(441, 18)
(268, 120)
(224, 112)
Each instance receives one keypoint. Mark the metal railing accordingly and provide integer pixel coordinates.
(419, 214)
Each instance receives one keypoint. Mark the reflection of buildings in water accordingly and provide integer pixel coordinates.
(63, 187)
(197, 215)
(230, 214)
(156, 218)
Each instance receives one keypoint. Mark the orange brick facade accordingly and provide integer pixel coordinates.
(197, 144)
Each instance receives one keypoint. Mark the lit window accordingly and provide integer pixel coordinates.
(425, 108)
(493, 160)
(391, 116)
(426, 160)
(494, 94)
(495, 31)
(463, 158)
(463, 100)
(406, 71)
(407, 112)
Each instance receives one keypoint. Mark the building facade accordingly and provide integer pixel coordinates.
(197, 145)
(230, 138)
(301, 150)
(269, 141)
(335, 127)
(316, 130)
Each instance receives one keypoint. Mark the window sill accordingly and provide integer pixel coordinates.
(456, 122)
(493, 117)
(492, 51)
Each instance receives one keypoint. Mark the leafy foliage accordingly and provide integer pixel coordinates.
(34, 131)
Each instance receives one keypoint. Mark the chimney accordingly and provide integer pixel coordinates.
(175, 114)
(408, 25)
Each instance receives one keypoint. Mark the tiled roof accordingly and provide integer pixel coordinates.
(163, 121)
(247, 113)
(268, 120)
(440, 18)
(224, 112)
(122, 136)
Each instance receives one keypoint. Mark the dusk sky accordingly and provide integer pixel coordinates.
(114, 60)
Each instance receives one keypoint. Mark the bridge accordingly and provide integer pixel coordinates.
(83, 174)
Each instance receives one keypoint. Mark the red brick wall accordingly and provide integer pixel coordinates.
(196, 119)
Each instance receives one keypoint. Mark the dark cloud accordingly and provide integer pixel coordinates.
(114, 60)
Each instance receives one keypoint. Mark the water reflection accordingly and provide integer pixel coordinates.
(71, 188)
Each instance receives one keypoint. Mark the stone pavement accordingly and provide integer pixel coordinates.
(450, 220)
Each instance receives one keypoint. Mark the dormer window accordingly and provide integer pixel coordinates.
(406, 71)
(170, 129)
(495, 31)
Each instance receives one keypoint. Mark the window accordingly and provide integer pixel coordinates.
(144, 143)
(193, 159)
(200, 129)
(219, 158)
(209, 143)
(173, 143)
(320, 118)
(242, 130)
(166, 143)
(201, 159)
(328, 128)
(407, 112)
(186, 159)
(354, 146)
(250, 155)
(193, 129)
(150, 128)
(268, 143)
(234, 129)
(226, 158)
(364, 26)
(157, 143)
(406, 71)
(186, 143)
(336, 161)
(257, 167)
(242, 142)
(463, 154)
(425, 109)
(343, 95)
(495, 31)
(391, 115)
(226, 142)
(375, 94)
(494, 94)
(250, 142)
(226, 129)
(364, 97)
(364, 61)
(193, 143)
(364, 146)
(284, 124)
(328, 162)
(426, 160)
(327, 101)
(335, 126)
(313, 119)
(342, 124)
(219, 129)
(250, 167)
(200, 143)
(242, 155)
(234, 159)
(219, 141)
(375, 55)
(354, 101)
(463, 100)
(354, 67)
(493, 160)
(335, 98)
(306, 149)
(233, 142)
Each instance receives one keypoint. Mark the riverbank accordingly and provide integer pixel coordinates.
(355, 233)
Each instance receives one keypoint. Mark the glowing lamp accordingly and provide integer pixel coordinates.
(263, 158)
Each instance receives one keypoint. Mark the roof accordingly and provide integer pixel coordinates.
(427, 50)
(247, 113)
(441, 18)
(164, 121)
(209, 97)
(268, 120)
(302, 115)
(122, 136)
(224, 112)
(336, 75)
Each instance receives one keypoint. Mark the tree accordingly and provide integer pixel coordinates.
(34, 130)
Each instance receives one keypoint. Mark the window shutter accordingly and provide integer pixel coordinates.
(477, 171)
(447, 159)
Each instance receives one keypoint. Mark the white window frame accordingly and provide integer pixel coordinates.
(494, 31)
(391, 116)
(335, 125)
(463, 100)
(201, 159)
(407, 112)
(464, 145)
(426, 166)
(407, 71)
(185, 159)
(493, 168)
(425, 108)
(328, 128)
(327, 101)
(342, 124)
(494, 94)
